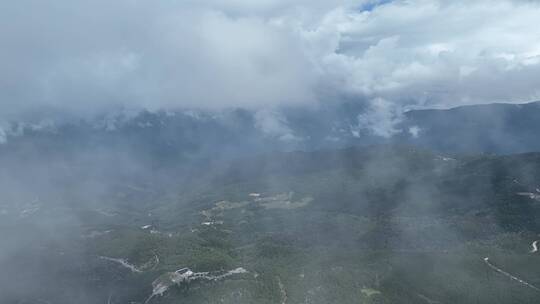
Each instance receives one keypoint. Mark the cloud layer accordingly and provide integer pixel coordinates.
(85, 57)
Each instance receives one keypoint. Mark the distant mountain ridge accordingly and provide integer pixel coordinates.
(490, 128)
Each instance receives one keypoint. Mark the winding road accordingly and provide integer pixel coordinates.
(497, 269)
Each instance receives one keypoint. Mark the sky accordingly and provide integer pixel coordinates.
(88, 56)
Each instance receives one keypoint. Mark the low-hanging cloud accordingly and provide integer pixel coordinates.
(85, 57)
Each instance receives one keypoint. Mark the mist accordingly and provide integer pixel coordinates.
(269, 152)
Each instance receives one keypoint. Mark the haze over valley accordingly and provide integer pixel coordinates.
(267, 152)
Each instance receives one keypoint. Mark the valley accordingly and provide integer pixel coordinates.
(385, 224)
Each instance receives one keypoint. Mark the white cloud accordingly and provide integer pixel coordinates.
(380, 119)
(439, 52)
(273, 124)
(3, 136)
(86, 56)
(415, 131)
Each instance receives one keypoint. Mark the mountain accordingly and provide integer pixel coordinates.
(379, 224)
(194, 135)
(492, 128)
(295, 206)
